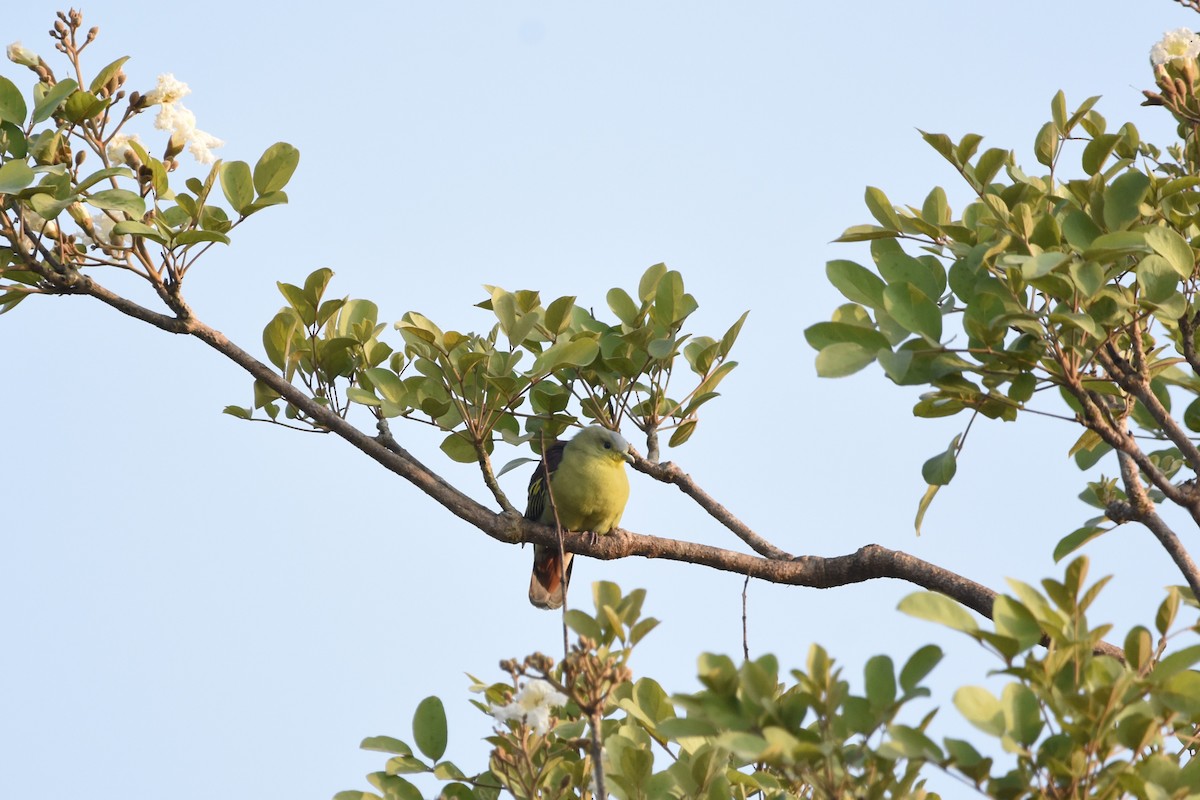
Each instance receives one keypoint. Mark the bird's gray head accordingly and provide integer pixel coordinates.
(603, 440)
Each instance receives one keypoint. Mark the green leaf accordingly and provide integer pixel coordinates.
(981, 709)
(842, 359)
(429, 728)
(1058, 110)
(558, 315)
(52, 100)
(939, 470)
(82, 105)
(12, 102)
(669, 305)
(1176, 662)
(1182, 693)
(823, 334)
(583, 624)
(15, 176)
(923, 506)
(1172, 247)
(731, 335)
(1075, 540)
(238, 411)
(577, 353)
(1042, 264)
(881, 209)
(1191, 415)
(275, 168)
(1015, 621)
(103, 174)
(1022, 713)
(133, 227)
(1097, 152)
(990, 163)
(909, 306)
(1045, 146)
(1123, 198)
(880, 680)
(623, 306)
(237, 185)
(940, 609)
(460, 448)
(197, 237)
(386, 744)
(106, 74)
(1157, 279)
(648, 285)
(119, 200)
(919, 664)
(856, 282)
(682, 433)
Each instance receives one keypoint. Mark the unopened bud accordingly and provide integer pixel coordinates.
(175, 146)
(79, 157)
(22, 55)
(79, 214)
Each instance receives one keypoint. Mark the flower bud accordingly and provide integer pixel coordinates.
(22, 55)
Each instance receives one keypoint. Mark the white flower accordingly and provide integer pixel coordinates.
(176, 118)
(181, 122)
(168, 90)
(21, 55)
(532, 705)
(103, 225)
(1176, 44)
(38, 224)
(119, 151)
(200, 146)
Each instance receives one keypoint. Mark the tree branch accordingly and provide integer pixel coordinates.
(1140, 508)
(867, 563)
(671, 473)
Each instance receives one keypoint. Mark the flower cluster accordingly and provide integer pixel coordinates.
(532, 705)
(181, 122)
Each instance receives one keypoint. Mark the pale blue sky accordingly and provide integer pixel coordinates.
(194, 607)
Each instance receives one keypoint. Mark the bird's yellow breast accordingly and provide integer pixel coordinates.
(590, 494)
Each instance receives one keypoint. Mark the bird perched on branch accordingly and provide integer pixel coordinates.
(588, 489)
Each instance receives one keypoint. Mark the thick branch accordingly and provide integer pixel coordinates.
(1120, 440)
(670, 473)
(868, 563)
(1140, 508)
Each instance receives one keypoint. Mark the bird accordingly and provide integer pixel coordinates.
(588, 489)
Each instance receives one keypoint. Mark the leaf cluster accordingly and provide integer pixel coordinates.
(538, 369)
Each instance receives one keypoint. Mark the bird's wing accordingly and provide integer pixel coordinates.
(537, 481)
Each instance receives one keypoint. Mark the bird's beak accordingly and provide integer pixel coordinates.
(628, 456)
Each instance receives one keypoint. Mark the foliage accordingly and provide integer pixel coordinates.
(1082, 288)
(1075, 724)
(1079, 288)
(543, 365)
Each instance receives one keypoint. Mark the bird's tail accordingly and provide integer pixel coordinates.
(546, 586)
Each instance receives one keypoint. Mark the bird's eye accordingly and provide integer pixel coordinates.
(608, 445)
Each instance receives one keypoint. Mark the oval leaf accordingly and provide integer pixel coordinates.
(429, 727)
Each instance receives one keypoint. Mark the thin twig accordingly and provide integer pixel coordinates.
(670, 473)
(745, 635)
